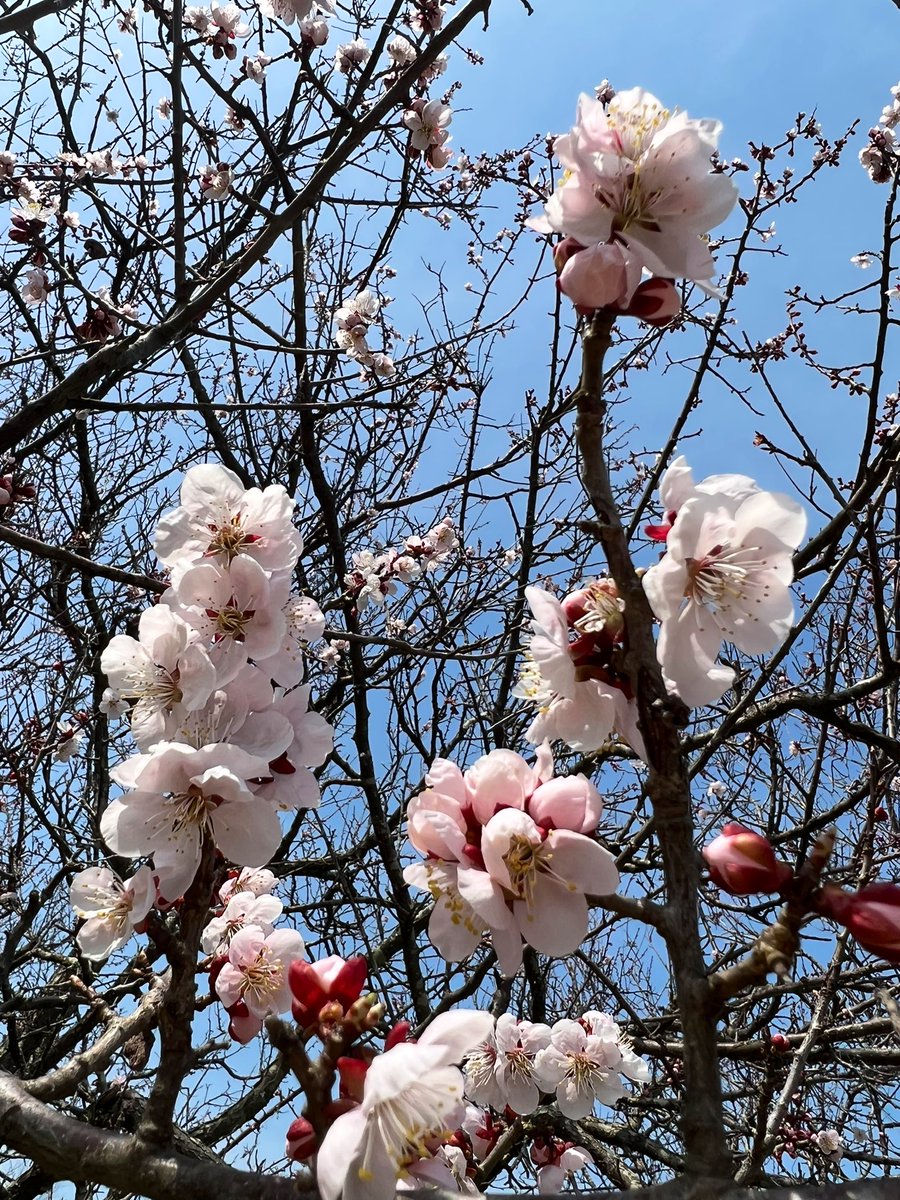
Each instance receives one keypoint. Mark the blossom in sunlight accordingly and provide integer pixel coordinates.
(352, 54)
(257, 880)
(547, 877)
(574, 684)
(677, 486)
(401, 51)
(638, 174)
(556, 1160)
(427, 122)
(872, 915)
(313, 32)
(436, 547)
(237, 612)
(426, 16)
(830, 1143)
(164, 669)
(219, 519)
(289, 11)
(111, 703)
(412, 1098)
(36, 288)
(68, 743)
(255, 67)
(580, 1068)
(177, 796)
(215, 181)
(110, 908)
(507, 851)
(256, 972)
(743, 863)
(725, 576)
(243, 908)
(502, 1071)
(8, 162)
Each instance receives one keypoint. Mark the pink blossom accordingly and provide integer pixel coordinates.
(165, 670)
(743, 863)
(547, 878)
(243, 908)
(725, 576)
(256, 880)
(236, 611)
(427, 123)
(601, 276)
(412, 1093)
(639, 175)
(290, 10)
(257, 970)
(219, 519)
(577, 701)
(502, 1071)
(110, 908)
(36, 289)
(181, 794)
(352, 54)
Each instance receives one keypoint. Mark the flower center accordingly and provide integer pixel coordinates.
(230, 621)
(522, 863)
(262, 977)
(723, 575)
(229, 539)
(192, 808)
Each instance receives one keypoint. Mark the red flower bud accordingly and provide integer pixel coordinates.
(743, 863)
(872, 915)
(400, 1033)
(779, 1043)
(300, 1142)
(331, 980)
(655, 301)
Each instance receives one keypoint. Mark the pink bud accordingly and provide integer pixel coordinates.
(655, 301)
(743, 863)
(597, 277)
(570, 802)
(872, 915)
(300, 1143)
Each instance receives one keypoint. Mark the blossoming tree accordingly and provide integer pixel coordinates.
(390, 803)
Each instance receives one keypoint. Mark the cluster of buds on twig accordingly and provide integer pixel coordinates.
(600, 281)
(12, 490)
(879, 155)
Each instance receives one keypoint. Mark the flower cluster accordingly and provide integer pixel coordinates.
(508, 851)
(222, 751)
(427, 122)
(879, 156)
(638, 194)
(578, 1063)
(725, 576)
(350, 55)
(12, 490)
(570, 672)
(395, 1112)
(352, 321)
(251, 959)
(290, 10)
(556, 1160)
(374, 577)
(218, 25)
